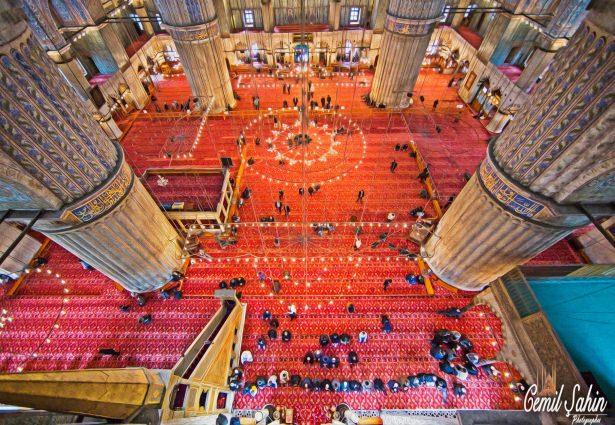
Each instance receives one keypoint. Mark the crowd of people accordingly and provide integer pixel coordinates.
(453, 351)
(190, 105)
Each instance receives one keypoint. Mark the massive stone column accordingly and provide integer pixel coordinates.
(555, 35)
(407, 31)
(334, 14)
(268, 18)
(55, 157)
(195, 31)
(557, 153)
(222, 13)
(108, 33)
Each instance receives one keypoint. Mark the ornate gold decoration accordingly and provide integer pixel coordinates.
(507, 195)
(103, 200)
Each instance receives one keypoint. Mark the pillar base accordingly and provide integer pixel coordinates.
(493, 226)
(402, 50)
(202, 56)
(120, 231)
(498, 122)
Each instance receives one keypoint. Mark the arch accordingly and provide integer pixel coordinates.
(301, 53)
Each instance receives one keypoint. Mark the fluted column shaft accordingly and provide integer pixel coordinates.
(268, 18)
(558, 152)
(54, 156)
(334, 14)
(120, 231)
(38, 16)
(222, 14)
(407, 32)
(480, 239)
(196, 34)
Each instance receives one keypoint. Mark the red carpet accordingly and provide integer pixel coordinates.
(325, 272)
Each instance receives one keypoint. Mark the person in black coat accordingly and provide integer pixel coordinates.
(306, 383)
(355, 385)
(459, 389)
(447, 368)
(441, 387)
(308, 358)
(324, 340)
(295, 380)
(272, 334)
(109, 352)
(335, 362)
(413, 382)
(261, 343)
(393, 385)
(379, 385)
(286, 335)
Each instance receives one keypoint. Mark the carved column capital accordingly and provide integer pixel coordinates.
(194, 33)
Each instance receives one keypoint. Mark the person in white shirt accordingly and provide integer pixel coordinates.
(273, 381)
(292, 311)
(462, 372)
(246, 357)
(284, 377)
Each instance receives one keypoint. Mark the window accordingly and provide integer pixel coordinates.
(447, 10)
(355, 16)
(203, 399)
(248, 18)
(469, 10)
(137, 21)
